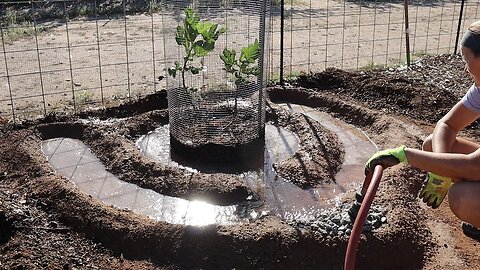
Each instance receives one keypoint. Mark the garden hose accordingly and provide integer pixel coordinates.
(369, 188)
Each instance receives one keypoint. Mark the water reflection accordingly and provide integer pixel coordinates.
(276, 195)
(273, 195)
(74, 160)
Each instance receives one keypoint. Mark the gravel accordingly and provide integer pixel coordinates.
(337, 222)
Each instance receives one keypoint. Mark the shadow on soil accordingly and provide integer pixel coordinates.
(6, 229)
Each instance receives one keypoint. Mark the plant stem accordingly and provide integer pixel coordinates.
(236, 98)
(183, 75)
(185, 61)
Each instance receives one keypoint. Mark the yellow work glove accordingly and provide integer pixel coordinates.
(434, 189)
(386, 158)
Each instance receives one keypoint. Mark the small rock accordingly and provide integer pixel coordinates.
(53, 224)
(383, 219)
(322, 231)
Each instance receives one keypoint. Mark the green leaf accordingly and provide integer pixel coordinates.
(178, 66)
(203, 29)
(190, 25)
(252, 71)
(219, 32)
(191, 34)
(172, 72)
(202, 48)
(210, 31)
(180, 37)
(209, 46)
(191, 17)
(215, 32)
(229, 59)
(250, 53)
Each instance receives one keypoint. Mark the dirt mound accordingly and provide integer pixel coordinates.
(319, 157)
(390, 93)
(444, 71)
(32, 238)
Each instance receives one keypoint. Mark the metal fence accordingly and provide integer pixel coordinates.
(365, 34)
(70, 55)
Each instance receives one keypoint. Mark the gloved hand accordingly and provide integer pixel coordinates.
(434, 189)
(386, 158)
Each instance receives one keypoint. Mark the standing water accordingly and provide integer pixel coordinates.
(276, 196)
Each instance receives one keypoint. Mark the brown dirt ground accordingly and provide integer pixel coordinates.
(265, 243)
(108, 238)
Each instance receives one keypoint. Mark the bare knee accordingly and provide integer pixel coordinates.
(456, 200)
(463, 202)
(427, 143)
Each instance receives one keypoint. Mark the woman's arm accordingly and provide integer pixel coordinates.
(447, 129)
(457, 166)
(442, 161)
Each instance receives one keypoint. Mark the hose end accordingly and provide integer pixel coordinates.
(353, 211)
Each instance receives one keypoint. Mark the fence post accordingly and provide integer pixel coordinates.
(126, 49)
(65, 11)
(282, 33)
(9, 85)
(38, 59)
(261, 64)
(99, 54)
(407, 32)
(459, 26)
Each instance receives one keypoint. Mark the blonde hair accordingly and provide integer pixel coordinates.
(475, 28)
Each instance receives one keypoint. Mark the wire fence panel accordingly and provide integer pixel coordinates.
(364, 34)
(71, 55)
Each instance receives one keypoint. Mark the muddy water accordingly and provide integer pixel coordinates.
(358, 148)
(276, 196)
(74, 160)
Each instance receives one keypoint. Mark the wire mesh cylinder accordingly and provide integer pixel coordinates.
(216, 105)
